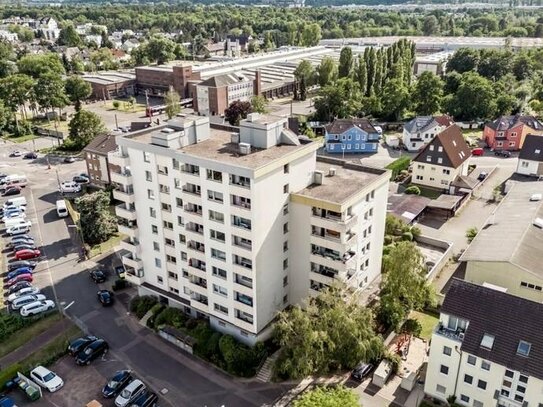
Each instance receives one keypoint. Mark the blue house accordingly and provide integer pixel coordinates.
(348, 136)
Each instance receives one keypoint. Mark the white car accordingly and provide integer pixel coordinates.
(22, 292)
(27, 299)
(11, 208)
(69, 187)
(35, 308)
(46, 379)
(14, 215)
(129, 393)
(18, 229)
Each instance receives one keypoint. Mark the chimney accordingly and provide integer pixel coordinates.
(244, 148)
(257, 83)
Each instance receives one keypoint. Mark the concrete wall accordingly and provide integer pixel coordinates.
(441, 244)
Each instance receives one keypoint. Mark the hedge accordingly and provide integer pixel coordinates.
(399, 165)
(140, 305)
(8, 373)
(10, 323)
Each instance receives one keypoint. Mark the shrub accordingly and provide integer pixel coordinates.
(116, 104)
(170, 316)
(471, 233)
(407, 236)
(415, 231)
(155, 311)
(10, 323)
(8, 373)
(399, 165)
(395, 361)
(140, 305)
(191, 324)
(388, 240)
(412, 326)
(119, 284)
(240, 359)
(412, 190)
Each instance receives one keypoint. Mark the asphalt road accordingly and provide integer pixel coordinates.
(182, 379)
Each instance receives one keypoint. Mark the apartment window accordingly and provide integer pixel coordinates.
(509, 373)
(172, 275)
(286, 169)
(146, 157)
(182, 239)
(148, 176)
(487, 342)
(481, 384)
(220, 308)
(158, 263)
(431, 148)
(485, 365)
(285, 227)
(285, 246)
(152, 212)
(161, 169)
(285, 299)
(444, 369)
(174, 290)
(216, 216)
(472, 360)
(419, 177)
(285, 209)
(285, 281)
(177, 183)
(464, 398)
(214, 196)
(171, 259)
(523, 379)
(477, 403)
(446, 172)
(241, 222)
(447, 351)
(524, 164)
(441, 389)
(179, 202)
(523, 348)
(285, 264)
(175, 164)
(154, 229)
(166, 207)
(420, 167)
(156, 246)
(214, 175)
(468, 379)
(217, 272)
(217, 289)
(169, 242)
(440, 160)
(183, 256)
(159, 279)
(164, 189)
(218, 254)
(285, 189)
(521, 389)
(180, 221)
(167, 225)
(150, 194)
(216, 235)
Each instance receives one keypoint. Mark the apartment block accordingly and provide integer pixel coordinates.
(486, 349)
(226, 225)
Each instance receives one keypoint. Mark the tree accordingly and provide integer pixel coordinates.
(50, 91)
(305, 76)
(15, 91)
(523, 66)
(35, 65)
(313, 338)
(463, 60)
(259, 104)
(160, 49)
(5, 116)
(327, 71)
(345, 62)
(103, 59)
(198, 45)
(77, 90)
(430, 26)
(404, 286)
(339, 100)
(328, 397)
(395, 99)
(427, 95)
(361, 74)
(84, 127)
(69, 37)
(96, 221)
(236, 111)
(474, 99)
(172, 100)
(311, 35)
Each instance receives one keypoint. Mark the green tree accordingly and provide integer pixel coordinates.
(463, 60)
(430, 26)
(361, 74)
(5, 116)
(345, 62)
(237, 111)
(327, 71)
(15, 91)
(103, 59)
(339, 100)
(523, 66)
(395, 99)
(50, 92)
(69, 37)
(84, 127)
(427, 95)
(328, 397)
(305, 76)
(96, 221)
(172, 100)
(311, 35)
(77, 90)
(160, 49)
(259, 104)
(474, 99)
(313, 339)
(35, 65)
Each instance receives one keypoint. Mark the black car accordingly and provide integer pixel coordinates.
(146, 399)
(24, 246)
(77, 345)
(97, 348)
(503, 153)
(105, 297)
(361, 371)
(30, 156)
(18, 286)
(482, 176)
(11, 191)
(80, 180)
(98, 276)
(14, 265)
(116, 383)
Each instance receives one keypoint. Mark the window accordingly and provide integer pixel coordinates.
(285, 299)
(511, 144)
(216, 216)
(431, 148)
(440, 160)
(285, 189)
(521, 389)
(159, 279)
(217, 272)
(446, 172)
(429, 158)
(285, 281)
(464, 398)
(175, 164)
(444, 369)
(220, 236)
(177, 183)
(150, 194)
(167, 225)
(285, 246)
(180, 221)
(514, 134)
(182, 239)
(214, 196)
(148, 176)
(218, 254)
(156, 246)
(146, 157)
(169, 242)
(217, 289)
(523, 379)
(158, 263)
(164, 189)
(285, 264)
(166, 207)
(487, 342)
(524, 164)
(154, 229)
(509, 373)
(171, 259)
(214, 175)
(162, 169)
(179, 202)
(477, 403)
(286, 169)
(523, 348)
(485, 365)
(348, 146)
(220, 308)
(468, 379)
(152, 212)
(472, 359)
(419, 177)
(420, 167)
(285, 209)
(440, 149)
(285, 227)
(481, 384)
(441, 389)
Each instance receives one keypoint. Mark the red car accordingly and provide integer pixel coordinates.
(19, 278)
(27, 254)
(477, 151)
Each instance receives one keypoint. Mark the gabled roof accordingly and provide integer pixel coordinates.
(340, 126)
(454, 152)
(102, 144)
(509, 319)
(444, 120)
(532, 149)
(504, 123)
(223, 80)
(425, 123)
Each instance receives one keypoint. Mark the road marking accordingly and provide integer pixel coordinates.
(69, 305)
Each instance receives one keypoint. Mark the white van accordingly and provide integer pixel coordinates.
(18, 230)
(62, 210)
(15, 180)
(27, 299)
(16, 222)
(19, 201)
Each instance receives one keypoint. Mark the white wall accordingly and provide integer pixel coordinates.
(433, 176)
(527, 167)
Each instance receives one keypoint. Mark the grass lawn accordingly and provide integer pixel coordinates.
(20, 139)
(428, 321)
(107, 245)
(22, 336)
(429, 193)
(61, 125)
(124, 106)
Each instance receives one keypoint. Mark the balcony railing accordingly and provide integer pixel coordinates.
(195, 228)
(192, 191)
(244, 263)
(198, 265)
(243, 282)
(327, 236)
(457, 334)
(199, 298)
(199, 282)
(324, 272)
(244, 318)
(193, 210)
(197, 246)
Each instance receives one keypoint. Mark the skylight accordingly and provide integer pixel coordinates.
(487, 342)
(524, 348)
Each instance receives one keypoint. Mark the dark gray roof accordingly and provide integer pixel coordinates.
(102, 144)
(424, 123)
(223, 80)
(504, 123)
(508, 318)
(340, 126)
(532, 149)
(455, 149)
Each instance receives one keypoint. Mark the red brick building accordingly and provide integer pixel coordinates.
(509, 132)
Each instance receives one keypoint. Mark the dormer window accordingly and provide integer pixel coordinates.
(537, 151)
(487, 342)
(440, 148)
(524, 348)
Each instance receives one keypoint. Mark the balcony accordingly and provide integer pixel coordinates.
(243, 262)
(194, 230)
(239, 202)
(192, 190)
(456, 335)
(118, 158)
(126, 196)
(193, 209)
(245, 317)
(325, 271)
(504, 401)
(191, 170)
(244, 281)
(128, 230)
(130, 260)
(202, 299)
(129, 245)
(134, 276)
(122, 212)
(200, 282)
(243, 243)
(122, 178)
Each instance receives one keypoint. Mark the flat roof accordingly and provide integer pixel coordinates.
(106, 78)
(348, 180)
(407, 207)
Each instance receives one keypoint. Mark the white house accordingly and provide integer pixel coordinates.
(486, 350)
(530, 159)
(8, 36)
(48, 28)
(422, 129)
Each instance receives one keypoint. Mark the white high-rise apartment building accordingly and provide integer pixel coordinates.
(235, 227)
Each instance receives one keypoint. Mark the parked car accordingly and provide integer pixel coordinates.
(98, 276)
(20, 239)
(19, 271)
(27, 299)
(10, 191)
(19, 229)
(77, 345)
(30, 155)
(97, 348)
(80, 180)
(21, 277)
(69, 187)
(146, 399)
(3, 175)
(105, 297)
(69, 160)
(5, 401)
(16, 153)
(361, 371)
(84, 175)
(502, 153)
(130, 393)
(13, 215)
(24, 246)
(27, 254)
(22, 292)
(36, 308)
(478, 151)
(116, 383)
(14, 265)
(46, 379)
(15, 288)
(12, 208)
(482, 176)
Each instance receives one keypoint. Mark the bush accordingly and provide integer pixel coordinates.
(140, 305)
(119, 284)
(399, 165)
(116, 104)
(191, 323)
(10, 323)
(155, 311)
(240, 359)
(395, 361)
(170, 316)
(407, 236)
(412, 190)
(412, 326)
(471, 233)
(8, 373)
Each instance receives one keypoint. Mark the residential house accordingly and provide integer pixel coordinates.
(97, 39)
(509, 132)
(530, 159)
(348, 136)
(442, 160)
(8, 36)
(48, 28)
(215, 94)
(486, 350)
(130, 44)
(422, 129)
(96, 158)
(508, 251)
(214, 48)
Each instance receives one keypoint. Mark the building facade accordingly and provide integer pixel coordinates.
(530, 159)
(215, 94)
(509, 132)
(97, 161)
(348, 136)
(486, 350)
(218, 227)
(422, 129)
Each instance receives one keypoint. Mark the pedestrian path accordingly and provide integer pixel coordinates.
(265, 373)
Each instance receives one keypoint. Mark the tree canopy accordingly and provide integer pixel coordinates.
(84, 127)
(96, 221)
(327, 397)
